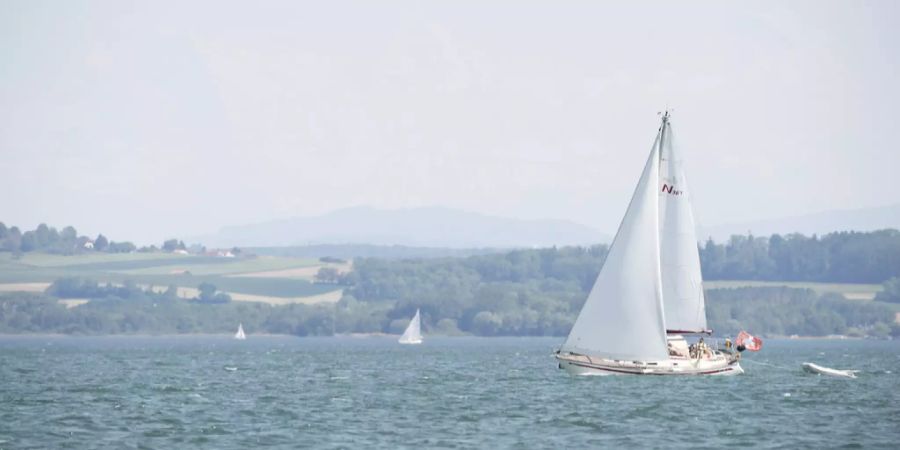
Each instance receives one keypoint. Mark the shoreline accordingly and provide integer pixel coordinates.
(360, 336)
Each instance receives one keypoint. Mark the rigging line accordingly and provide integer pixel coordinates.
(766, 364)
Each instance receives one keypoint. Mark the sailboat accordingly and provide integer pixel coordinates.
(649, 292)
(240, 333)
(413, 333)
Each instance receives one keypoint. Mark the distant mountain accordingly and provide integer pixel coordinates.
(350, 251)
(865, 219)
(415, 227)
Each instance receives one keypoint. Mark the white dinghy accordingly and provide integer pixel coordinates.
(240, 333)
(817, 369)
(413, 333)
(649, 293)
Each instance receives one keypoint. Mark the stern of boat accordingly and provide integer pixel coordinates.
(722, 365)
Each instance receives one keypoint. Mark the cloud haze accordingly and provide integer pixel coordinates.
(152, 119)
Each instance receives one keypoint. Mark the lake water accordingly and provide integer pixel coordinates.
(282, 392)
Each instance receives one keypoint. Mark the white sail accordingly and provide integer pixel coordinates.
(413, 333)
(622, 317)
(240, 332)
(682, 283)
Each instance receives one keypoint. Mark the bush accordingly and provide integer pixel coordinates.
(890, 292)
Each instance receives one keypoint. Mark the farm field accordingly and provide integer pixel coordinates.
(268, 279)
(851, 291)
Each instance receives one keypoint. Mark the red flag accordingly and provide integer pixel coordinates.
(750, 342)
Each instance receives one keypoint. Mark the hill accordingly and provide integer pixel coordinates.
(863, 219)
(414, 227)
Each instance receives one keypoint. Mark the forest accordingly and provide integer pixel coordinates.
(453, 300)
(845, 257)
(515, 292)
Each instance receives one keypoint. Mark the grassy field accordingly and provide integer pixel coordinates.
(229, 267)
(49, 260)
(272, 279)
(236, 276)
(850, 291)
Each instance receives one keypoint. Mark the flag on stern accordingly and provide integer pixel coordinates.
(750, 342)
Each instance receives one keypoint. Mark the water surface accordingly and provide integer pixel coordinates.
(283, 392)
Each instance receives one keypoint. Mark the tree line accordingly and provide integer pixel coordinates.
(67, 242)
(146, 312)
(505, 309)
(50, 240)
(540, 292)
(845, 257)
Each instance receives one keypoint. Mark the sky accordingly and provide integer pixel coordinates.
(148, 120)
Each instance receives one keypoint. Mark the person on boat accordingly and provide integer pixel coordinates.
(703, 349)
(728, 346)
(672, 351)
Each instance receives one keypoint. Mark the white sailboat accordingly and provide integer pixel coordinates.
(240, 333)
(649, 292)
(413, 333)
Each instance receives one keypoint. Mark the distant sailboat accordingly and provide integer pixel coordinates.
(240, 332)
(413, 333)
(649, 291)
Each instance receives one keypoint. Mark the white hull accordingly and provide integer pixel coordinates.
(719, 365)
(411, 342)
(817, 369)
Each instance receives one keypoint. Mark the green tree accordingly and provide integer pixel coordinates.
(13, 240)
(101, 244)
(68, 234)
(328, 275)
(171, 291)
(170, 245)
(890, 292)
(29, 242)
(121, 247)
(208, 294)
(42, 236)
(207, 290)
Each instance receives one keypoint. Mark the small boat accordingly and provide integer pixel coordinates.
(413, 333)
(649, 293)
(817, 369)
(240, 333)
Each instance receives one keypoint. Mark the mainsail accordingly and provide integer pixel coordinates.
(413, 333)
(682, 283)
(623, 315)
(240, 332)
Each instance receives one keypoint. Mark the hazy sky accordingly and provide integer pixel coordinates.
(152, 119)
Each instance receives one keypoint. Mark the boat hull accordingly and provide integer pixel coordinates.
(819, 370)
(410, 342)
(723, 365)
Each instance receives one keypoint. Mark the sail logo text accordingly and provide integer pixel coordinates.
(670, 189)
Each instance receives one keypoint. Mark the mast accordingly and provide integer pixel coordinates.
(662, 133)
(682, 281)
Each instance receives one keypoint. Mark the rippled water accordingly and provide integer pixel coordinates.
(214, 392)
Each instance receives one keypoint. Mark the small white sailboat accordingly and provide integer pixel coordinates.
(240, 333)
(649, 292)
(413, 333)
